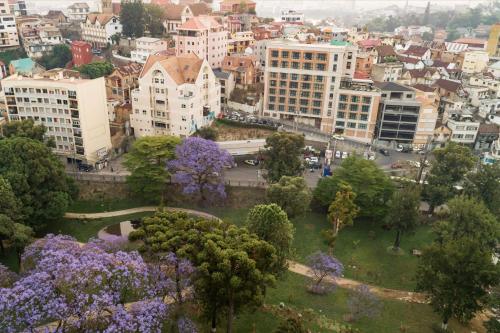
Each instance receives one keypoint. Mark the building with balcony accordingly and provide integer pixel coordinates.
(243, 69)
(72, 109)
(78, 12)
(204, 37)
(176, 96)
(475, 62)
(302, 81)
(463, 127)
(98, 29)
(8, 31)
(239, 42)
(175, 15)
(387, 71)
(292, 16)
(145, 46)
(121, 82)
(398, 114)
(357, 109)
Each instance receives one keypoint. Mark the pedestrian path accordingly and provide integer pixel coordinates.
(93, 216)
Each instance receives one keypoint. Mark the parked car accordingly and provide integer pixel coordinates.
(310, 148)
(338, 154)
(345, 154)
(251, 162)
(384, 152)
(85, 167)
(400, 148)
(337, 137)
(312, 159)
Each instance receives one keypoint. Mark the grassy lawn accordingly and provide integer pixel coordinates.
(99, 206)
(416, 318)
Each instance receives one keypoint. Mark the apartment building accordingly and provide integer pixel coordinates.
(99, 28)
(176, 96)
(475, 61)
(121, 82)
(145, 46)
(428, 116)
(78, 12)
(302, 81)
(292, 16)
(398, 114)
(8, 30)
(204, 37)
(463, 127)
(239, 42)
(72, 109)
(81, 52)
(357, 109)
(387, 71)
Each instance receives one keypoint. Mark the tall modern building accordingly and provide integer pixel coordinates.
(302, 81)
(8, 30)
(176, 96)
(72, 109)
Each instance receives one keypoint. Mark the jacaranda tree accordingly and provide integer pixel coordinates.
(198, 168)
(322, 266)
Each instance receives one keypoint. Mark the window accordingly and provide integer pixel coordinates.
(306, 85)
(284, 64)
(273, 75)
(284, 54)
(318, 95)
(316, 111)
(274, 53)
(348, 65)
(321, 56)
(362, 126)
(334, 68)
(272, 91)
(283, 76)
(343, 98)
(303, 110)
(351, 125)
(317, 103)
(306, 77)
(342, 106)
(340, 114)
(274, 63)
(282, 100)
(307, 66)
(281, 108)
(294, 77)
(304, 102)
(292, 92)
(283, 84)
(352, 116)
(295, 65)
(353, 107)
(294, 85)
(320, 67)
(296, 55)
(319, 78)
(304, 94)
(335, 57)
(308, 56)
(291, 109)
(363, 117)
(272, 99)
(318, 86)
(282, 91)
(354, 99)
(365, 108)
(367, 100)
(273, 83)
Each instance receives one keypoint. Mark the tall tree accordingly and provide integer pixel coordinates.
(234, 267)
(282, 156)
(155, 15)
(322, 266)
(21, 236)
(133, 18)
(199, 167)
(10, 205)
(147, 163)
(372, 187)
(484, 184)
(57, 58)
(343, 209)
(290, 193)
(403, 213)
(449, 168)
(37, 178)
(24, 128)
(271, 224)
(457, 276)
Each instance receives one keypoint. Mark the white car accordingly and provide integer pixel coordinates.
(338, 154)
(345, 154)
(338, 137)
(399, 148)
(312, 159)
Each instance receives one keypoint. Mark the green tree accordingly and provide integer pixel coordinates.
(21, 236)
(452, 35)
(291, 193)
(451, 165)
(24, 128)
(372, 187)
(457, 276)
(484, 184)
(96, 69)
(271, 224)
(282, 156)
(38, 179)
(133, 18)
(428, 36)
(343, 210)
(155, 15)
(292, 324)
(57, 58)
(147, 163)
(207, 133)
(10, 205)
(234, 267)
(6, 226)
(403, 215)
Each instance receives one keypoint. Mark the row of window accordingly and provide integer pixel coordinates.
(71, 93)
(293, 101)
(305, 55)
(42, 100)
(295, 85)
(341, 124)
(355, 99)
(354, 107)
(295, 77)
(43, 110)
(352, 116)
(293, 109)
(303, 93)
(296, 65)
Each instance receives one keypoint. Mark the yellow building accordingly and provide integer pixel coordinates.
(494, 41)
(239, 42)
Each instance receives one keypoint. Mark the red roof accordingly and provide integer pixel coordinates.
(367, 43)
(416, 50)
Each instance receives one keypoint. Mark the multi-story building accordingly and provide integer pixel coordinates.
(175, 15)
(463, 127)
(145, 46)
(357, 109)
(39, 38)
(493, 47)
(176, 96)
(239, 42)
(428, 116)
(292, 16)
(99, 28)
(78, 11)
(302, 81)
(72, 109)
(227, 85)
(121, 82)
(18, 7)
(398, 114)
(8, 30)
(387, 71)
(204, 37)
(243, 69)
(475, 62)
(82, 52)
(237, 6)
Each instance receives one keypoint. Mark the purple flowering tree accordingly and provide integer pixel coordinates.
(323, 267)
(363, 303)
(198, 168)
(83, 287)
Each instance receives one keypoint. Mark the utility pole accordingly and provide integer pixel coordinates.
(423, 159)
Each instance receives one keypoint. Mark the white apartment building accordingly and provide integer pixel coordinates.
(204, 37)
(8, 29)
(99, 28)
(78, 11)
(387, 71)
(73, 111)
(291, 16)
(463, 128)
(302, 81)
(475, 61)
(146, 46)
(40, 40)
(176, 96)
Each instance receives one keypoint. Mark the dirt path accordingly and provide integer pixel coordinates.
(92, 216)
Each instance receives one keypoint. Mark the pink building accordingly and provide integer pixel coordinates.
(204, 37)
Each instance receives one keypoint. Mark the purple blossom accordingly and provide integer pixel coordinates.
(7, 277)
(322, 266)
(186, 325)
(143, 316)
(199, 166)
(363, 303)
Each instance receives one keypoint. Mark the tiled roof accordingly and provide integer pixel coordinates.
(103, 19)
(470, 41)
(423, 87)
(418, 73)
(233, 62)
(416, 50)
(447, 85)
(408, 59)
(385, 51)
(365, 43)
(200, 23)
(180, 69)
(391, 86)
(455, 47)
(489, 128)
(173, 11)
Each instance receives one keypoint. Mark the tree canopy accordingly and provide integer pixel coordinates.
(372, 187)
(133, 18)
(37, 178)
(24, 128)
(57, 58)
(147, 163)
(290, 193)
(96, 69)
(154, 17)
(282, 156)
(485, 184)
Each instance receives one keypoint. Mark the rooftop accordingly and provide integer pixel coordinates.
(203, 22)
(391, 86)
(180, 69)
